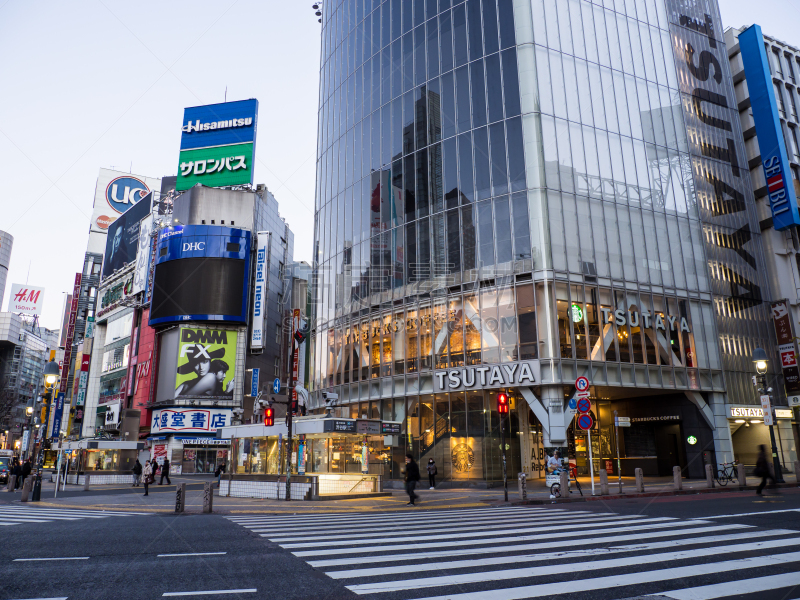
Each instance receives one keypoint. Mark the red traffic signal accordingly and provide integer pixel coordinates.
(299, 337)
(502, 403)
(269, 416)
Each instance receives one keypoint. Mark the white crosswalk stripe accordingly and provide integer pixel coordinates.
(19, 515)
(526, 552)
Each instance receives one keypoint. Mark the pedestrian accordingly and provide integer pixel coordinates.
(220, 470)
(762, 469)
(148, 476)
(26, 470)
(16, 470)
(412, 477)
(165, 472)
(137, 473)
(432, 473)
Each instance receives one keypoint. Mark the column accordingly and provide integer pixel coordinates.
(720, 428)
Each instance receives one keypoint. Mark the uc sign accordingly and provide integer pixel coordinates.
(123, 192)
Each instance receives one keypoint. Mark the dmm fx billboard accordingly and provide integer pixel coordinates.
(260, 290)
(206, 363)
(782, 199)
(218, 144)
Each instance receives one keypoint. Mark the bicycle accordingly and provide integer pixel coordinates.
(726, 473)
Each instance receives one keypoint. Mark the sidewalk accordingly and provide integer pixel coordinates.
(162, 498)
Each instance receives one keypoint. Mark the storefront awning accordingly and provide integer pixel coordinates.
(90, 444)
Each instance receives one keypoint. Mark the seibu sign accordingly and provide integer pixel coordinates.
(487, 376)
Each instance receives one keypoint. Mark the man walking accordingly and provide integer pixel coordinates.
(762, 469)
(26, 470)
(165, 472)
(412, 477)
(137, 473)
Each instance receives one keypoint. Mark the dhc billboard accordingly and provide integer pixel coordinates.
(202, 274)
(780, 188)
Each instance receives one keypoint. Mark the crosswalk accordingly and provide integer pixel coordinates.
(19, 515)
(538, 552)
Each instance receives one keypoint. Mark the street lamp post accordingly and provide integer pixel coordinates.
(51, 373)
(761, 361)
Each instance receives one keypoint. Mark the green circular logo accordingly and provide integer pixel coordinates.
(692, 440)
(577, 313)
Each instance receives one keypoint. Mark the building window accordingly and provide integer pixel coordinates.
(779, 99)
(789, 67)
(277, 366)
(792, 103)
(776, 58)
(96, 269)
(278, 333)
(793, 141)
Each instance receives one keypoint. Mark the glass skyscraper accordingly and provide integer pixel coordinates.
(515, 193)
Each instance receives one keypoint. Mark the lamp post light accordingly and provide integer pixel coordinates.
(761, 362)
(51, 374)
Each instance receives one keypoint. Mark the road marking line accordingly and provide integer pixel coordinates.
(489, 542)
(523, 547)
(583, 525)
(741, 586)
(539, 557)
(209, 592)
(59, 558)
(621, 580)
(193, 554)
(554, 569)
(60, 598)
(751, 514)
(482, 525)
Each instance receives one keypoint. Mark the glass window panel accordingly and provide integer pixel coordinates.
(507, 324)
(478, 94)
(472, 335)
(453, 242)
(408, 61)
(460, 35)
(412, 329)
(455, 326)
(588, 31)
(421, 113)
(386, 129)
(502, 219)
(433, 45)
(626, 244)
(420, 63)
(436, 190)
(419, 12)
(612, 239)
(468, 237)
(450, 179)
(439, 257)
(482, 179)
(498, 156)
(485, 234)
(396, 20)
(434, 112)
(408, 15)
(462, 99)
(494, 88)
(489, 326)
(422, 195)
(516, 154)
(490, 38)
(506, 17)
(446, 35)
(440, 333)
(386, 68)
(408, 122)
(448, 106)
(424, 249)
(474, 18)
(522, 239)
(510, 83)
(466, 186)
(563, 314)
(406, 205)
(412, 270)
(559, 92)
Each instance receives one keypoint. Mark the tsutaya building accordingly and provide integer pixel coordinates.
(515, 193)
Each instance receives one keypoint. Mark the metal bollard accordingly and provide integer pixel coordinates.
(564, 482)
(208, 497)
(709, 476)
(742, 478)
(26, 489)
(603, 482)
(12, 483)
(86, 482)
(677, 478)
(797, 471)
(522, 485)
(180, 498)
(639, 480)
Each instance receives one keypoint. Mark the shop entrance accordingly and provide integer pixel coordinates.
(200, 459)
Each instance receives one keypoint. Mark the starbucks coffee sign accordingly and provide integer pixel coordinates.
(487, 376)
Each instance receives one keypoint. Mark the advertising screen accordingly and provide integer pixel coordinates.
(123, 237)
(206, 363)
(115, 193)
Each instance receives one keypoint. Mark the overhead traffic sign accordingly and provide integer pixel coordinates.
(582, 384)
(584, 405)
(585, 422)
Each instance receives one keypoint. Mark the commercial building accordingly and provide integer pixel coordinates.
(514, 194)
(6, 243)
(763, 71)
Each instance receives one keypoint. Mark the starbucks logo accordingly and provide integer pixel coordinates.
(463, 458)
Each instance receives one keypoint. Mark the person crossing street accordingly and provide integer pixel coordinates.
(411, 477)
(165, 472)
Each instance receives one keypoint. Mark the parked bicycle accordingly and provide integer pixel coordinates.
(726, 473)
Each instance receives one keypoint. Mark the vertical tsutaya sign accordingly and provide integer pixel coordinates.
(260, 290)
(782, 199)
(218, 144)
(73, 313)
(782, 318)
(719, 161)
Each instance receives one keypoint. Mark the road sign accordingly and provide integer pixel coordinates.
(276, 386)
(620, 423)
(585, 421)
(254, 383)
(573, 404)
(623, 419)
(584, 405)
(766, 409)
(582, 384)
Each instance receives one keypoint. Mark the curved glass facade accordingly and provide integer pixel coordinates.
(517, 182)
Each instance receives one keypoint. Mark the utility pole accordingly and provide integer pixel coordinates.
(502, 410)
(776, 463)
(289, 407)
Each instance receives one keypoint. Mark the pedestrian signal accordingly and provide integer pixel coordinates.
(502, 403)
(269, 416)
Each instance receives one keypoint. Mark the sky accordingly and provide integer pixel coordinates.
(88, 84)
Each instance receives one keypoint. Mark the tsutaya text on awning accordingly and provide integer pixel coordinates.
(487, 376)
(645, 319)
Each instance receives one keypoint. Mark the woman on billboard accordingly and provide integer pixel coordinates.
(199, 363)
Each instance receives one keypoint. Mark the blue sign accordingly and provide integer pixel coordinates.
(58, 407)
(782, 199)
(219, 124)
(254, 384)
(124, 192)
(276, 386)
(169, 232)
(573, 404)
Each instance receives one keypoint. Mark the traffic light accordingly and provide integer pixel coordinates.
(299, 337)
(269, 416)
(502, 403)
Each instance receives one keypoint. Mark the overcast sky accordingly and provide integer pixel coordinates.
(89, 84)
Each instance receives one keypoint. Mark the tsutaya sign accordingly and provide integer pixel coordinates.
(487, 376)
(645, 319)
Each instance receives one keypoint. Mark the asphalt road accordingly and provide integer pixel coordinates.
(722, 546)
